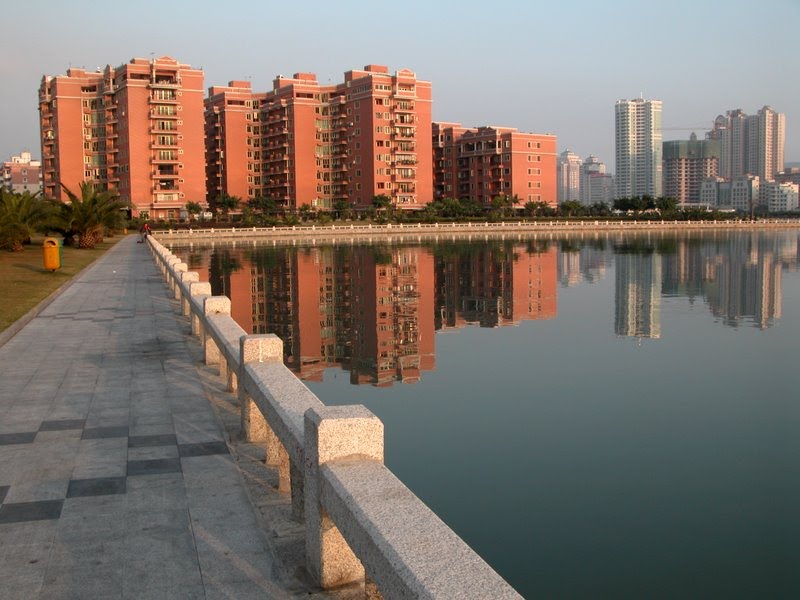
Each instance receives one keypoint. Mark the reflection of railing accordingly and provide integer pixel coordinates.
(346, 230)
(360, 519)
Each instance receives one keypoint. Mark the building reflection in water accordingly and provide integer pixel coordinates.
(372, 310)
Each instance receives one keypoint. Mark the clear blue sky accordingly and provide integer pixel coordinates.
(544, 67)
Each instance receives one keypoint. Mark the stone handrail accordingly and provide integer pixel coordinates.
(352, 229)
(361, 522)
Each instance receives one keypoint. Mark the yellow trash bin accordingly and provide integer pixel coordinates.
(52, 254)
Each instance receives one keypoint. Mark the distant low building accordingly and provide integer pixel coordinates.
(780, 197)
(789, 175)
(22, 174)
(741, 194)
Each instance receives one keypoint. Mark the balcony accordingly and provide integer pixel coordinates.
(403, 132)
(159, 115)
(162, 100)
(166, 83)
(162, 160)
(161, 197)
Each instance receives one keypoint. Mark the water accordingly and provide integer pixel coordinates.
(602, 416)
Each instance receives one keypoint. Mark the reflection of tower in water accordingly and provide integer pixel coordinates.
(638, 295)
(393, 314)
(747, 282)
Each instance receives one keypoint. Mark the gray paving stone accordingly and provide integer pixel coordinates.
(30, 511)
(108, 417)
(99, 486)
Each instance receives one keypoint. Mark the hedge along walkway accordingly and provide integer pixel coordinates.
(25, 286)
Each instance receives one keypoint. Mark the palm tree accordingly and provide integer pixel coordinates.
(91, 214)
(21, 215)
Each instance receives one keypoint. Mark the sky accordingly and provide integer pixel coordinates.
(542, 67)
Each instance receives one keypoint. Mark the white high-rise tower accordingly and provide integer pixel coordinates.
(638, 148)
(569, 176)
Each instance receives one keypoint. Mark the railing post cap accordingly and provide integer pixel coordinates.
(217, 305)
(200, 288)
(261, 348)
(180, 267)
(333, 432)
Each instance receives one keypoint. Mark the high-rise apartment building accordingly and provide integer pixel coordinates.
(136, 129)
(481, 164)
(569, 176)
(233, 136)
(750, 145)
(22, 174)
(686, 164)
(638, 148)
(303, 143)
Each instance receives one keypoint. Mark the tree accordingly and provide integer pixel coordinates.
(381, 202)
(538, 209)
(666, 205)
(227, 203)
(342, 209)
(571, 208)
(22, 215)
(306, 212)
(91, 214)
(263, 204)
(502, 206)
(194, 208)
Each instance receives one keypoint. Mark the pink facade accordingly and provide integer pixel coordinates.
(481, 164)
(324, 146)
(136, 129)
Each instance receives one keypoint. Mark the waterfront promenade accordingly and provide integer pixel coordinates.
(122, 474)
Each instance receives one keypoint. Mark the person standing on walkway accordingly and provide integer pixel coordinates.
(144, 231)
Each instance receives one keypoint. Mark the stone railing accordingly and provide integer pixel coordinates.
(361, 522)
(335, 231)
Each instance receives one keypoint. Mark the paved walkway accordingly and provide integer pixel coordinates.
(120, 472)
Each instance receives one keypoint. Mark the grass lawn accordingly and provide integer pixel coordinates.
(24, 282)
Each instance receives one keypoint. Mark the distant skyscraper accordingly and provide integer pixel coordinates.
(569, 176)
(750, 145)
(771, 137)
(686, 164)
(638, 147)
(596, 185)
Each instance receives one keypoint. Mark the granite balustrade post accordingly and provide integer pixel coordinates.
(263, 348)
(214, 305)
(198, 288)
(334, 433)
(177, 268)
(188, 278)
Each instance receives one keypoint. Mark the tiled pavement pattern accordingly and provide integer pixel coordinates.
(116, 477)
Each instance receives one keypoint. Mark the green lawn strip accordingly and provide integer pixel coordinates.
(24, 283)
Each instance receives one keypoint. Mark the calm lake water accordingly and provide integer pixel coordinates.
(597, 416)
